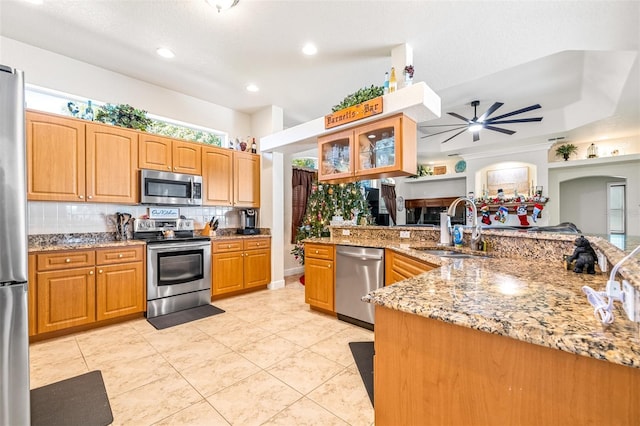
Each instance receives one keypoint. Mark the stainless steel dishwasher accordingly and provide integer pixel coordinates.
(359, 270)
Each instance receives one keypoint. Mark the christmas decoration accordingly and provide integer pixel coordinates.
(537, 208)
(521, 211)
(325, 202)
(502, 214)
(486, 216)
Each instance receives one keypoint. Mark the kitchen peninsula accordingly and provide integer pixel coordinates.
(506, 339)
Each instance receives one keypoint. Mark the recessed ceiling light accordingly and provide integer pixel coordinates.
(309, 49)
(252, 88)
(165, 53)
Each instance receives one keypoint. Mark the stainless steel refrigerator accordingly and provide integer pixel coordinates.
(14, 336)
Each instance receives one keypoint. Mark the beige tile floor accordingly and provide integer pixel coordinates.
(267, 360)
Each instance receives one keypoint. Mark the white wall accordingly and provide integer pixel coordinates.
(53, 71)
(629, 170)
(583, 201)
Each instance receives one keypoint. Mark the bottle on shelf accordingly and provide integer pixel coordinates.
(385, 85)
(393, 83)
(88, 112)
(254, 147)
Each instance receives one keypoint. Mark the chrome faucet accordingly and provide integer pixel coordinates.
(475, 234)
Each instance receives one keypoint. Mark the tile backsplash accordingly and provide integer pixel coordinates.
(60, 218)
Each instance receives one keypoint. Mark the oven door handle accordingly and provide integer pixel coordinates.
(165, 247)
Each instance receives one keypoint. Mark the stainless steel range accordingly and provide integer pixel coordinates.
(178, 265)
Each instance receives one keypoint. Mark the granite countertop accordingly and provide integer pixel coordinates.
(531, 301)
(535, 301)
(53, 242)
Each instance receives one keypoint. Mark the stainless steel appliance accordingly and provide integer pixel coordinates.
(248, 222)
(178, 265)
(15, 407)
(167, 188)
(359, 270)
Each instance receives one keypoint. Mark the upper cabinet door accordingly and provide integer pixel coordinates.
(155, 153)
(246, 179)
(386, 147)
(335, 152)
(217, 173)
(112, 164)
(187, 157)
(55, 158)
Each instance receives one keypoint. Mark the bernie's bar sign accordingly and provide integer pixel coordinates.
(354, 113)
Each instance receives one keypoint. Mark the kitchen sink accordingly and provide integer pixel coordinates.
(448, 253)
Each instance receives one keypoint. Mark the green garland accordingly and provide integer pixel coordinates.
(359, 97)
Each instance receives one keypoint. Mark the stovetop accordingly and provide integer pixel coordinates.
(159, 231)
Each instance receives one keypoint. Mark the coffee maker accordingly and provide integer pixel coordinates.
(248, 222)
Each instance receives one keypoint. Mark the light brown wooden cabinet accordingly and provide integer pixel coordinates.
(72, 160)
(399, 267)
(319, 276)
(79, 287)
(230, 178)
(382, 148)
(240, 264)
(166, 154)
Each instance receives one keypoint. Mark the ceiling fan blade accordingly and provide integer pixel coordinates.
(498, 129)
(456, 115)
(444, 131)
(476, 136)
(518, 120)
(490, 111)
(461, 131)
(439, 125)
(520, 111)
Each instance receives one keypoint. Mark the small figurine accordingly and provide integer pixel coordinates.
(583, 255)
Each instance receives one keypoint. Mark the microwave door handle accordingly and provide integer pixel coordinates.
(191, 182)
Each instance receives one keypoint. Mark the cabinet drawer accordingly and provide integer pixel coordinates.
(319, 251)
(257, 243)
(66, 260)
(226, 246)
(119, 255)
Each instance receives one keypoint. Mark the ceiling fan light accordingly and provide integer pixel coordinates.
(476, 127)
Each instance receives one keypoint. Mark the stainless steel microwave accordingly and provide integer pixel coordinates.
(166, 188)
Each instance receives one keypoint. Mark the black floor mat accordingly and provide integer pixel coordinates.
(80, 401)
(181, 317)
(363, 354)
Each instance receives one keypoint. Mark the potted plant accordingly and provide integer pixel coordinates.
(566, 150)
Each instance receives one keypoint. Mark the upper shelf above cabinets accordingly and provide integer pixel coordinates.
(382, 148)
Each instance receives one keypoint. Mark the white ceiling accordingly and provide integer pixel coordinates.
(578, 59)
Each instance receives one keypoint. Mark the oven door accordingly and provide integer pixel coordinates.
(178, 268)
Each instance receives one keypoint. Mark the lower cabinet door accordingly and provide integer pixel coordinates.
(257, 267)
(65, 298)
(120, 290)
(319, 283)
(227, 272)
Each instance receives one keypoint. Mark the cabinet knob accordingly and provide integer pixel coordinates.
(329, 265)
(257, 244)
(317, 252)
(168, 167)
(229, 246)
(99, 271)
(90, 272)
(120, 255)
(80, 196)
(90, 197)
(67, 260)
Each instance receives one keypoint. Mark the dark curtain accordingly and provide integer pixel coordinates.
(301, 181)
(389, 197)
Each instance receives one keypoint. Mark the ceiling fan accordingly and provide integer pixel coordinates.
(475, 124)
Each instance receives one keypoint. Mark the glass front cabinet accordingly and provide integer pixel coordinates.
(382, 148)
